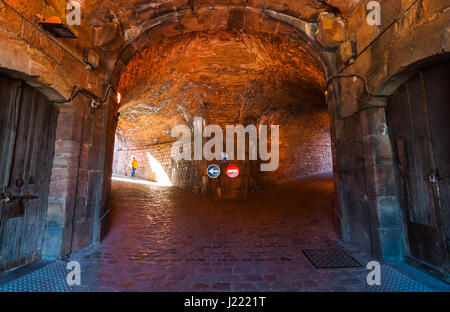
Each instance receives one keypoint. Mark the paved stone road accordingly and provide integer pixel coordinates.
(166, 239)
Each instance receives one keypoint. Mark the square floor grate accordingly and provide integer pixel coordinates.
(325, 258)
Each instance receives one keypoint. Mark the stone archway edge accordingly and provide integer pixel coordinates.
(174, 17)
(268, 21)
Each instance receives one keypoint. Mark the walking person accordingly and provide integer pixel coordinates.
(134, 165)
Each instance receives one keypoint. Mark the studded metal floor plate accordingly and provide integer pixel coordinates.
(49, 278)
(324, 258)
(394, 281)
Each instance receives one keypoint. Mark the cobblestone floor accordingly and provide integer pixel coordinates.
(166, 239)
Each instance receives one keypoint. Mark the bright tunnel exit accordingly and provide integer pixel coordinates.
(151, 168)
(161, 176)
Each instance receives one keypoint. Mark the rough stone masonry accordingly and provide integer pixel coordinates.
(316, 68)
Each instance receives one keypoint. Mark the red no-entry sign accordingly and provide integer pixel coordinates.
(232, 171)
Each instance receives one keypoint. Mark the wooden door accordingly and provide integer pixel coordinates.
(437, 85)
(419, 126)
(27, 141)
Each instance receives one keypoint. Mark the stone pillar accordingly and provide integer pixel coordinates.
(341, 221)
(80, 182)
(381, 190)
(367, 206)
(63, 186)
(106, 146)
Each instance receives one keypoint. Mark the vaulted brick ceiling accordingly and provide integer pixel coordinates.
(133, 13)
(117, 24)
(187, 58)
(227, 77)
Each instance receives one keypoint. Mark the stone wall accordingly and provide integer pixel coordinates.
(123, 156)
(305, 149)
(374, 62)
(80, 183)
(181, 174)
(81, 174)
(362, 63)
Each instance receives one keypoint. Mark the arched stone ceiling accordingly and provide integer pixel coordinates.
(118, 29)
(134, 13)
(219, 20)
(123, 28)
(226, 77)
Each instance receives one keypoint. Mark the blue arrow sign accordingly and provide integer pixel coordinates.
(213, 171)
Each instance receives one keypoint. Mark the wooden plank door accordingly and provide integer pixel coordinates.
(419, 131)
(27, 140)
(437, 84)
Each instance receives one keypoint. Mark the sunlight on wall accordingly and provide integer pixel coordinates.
(135, 181)
(161, 176)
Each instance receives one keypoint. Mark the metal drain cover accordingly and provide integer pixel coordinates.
(325, 258)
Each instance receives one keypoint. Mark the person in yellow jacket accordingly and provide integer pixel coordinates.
(134, 165)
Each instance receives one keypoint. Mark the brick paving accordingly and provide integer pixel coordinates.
(167, 239)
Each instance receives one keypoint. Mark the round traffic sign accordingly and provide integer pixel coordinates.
(232, 171)
(213, 171)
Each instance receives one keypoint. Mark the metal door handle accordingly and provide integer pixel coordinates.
(10, 197)
(24, 197)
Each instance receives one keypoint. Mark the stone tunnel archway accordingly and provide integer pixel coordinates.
(260, 19)
(363, 64)
(226, 78)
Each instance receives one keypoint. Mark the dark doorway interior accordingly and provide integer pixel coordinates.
(419, 123)
(27, 141)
